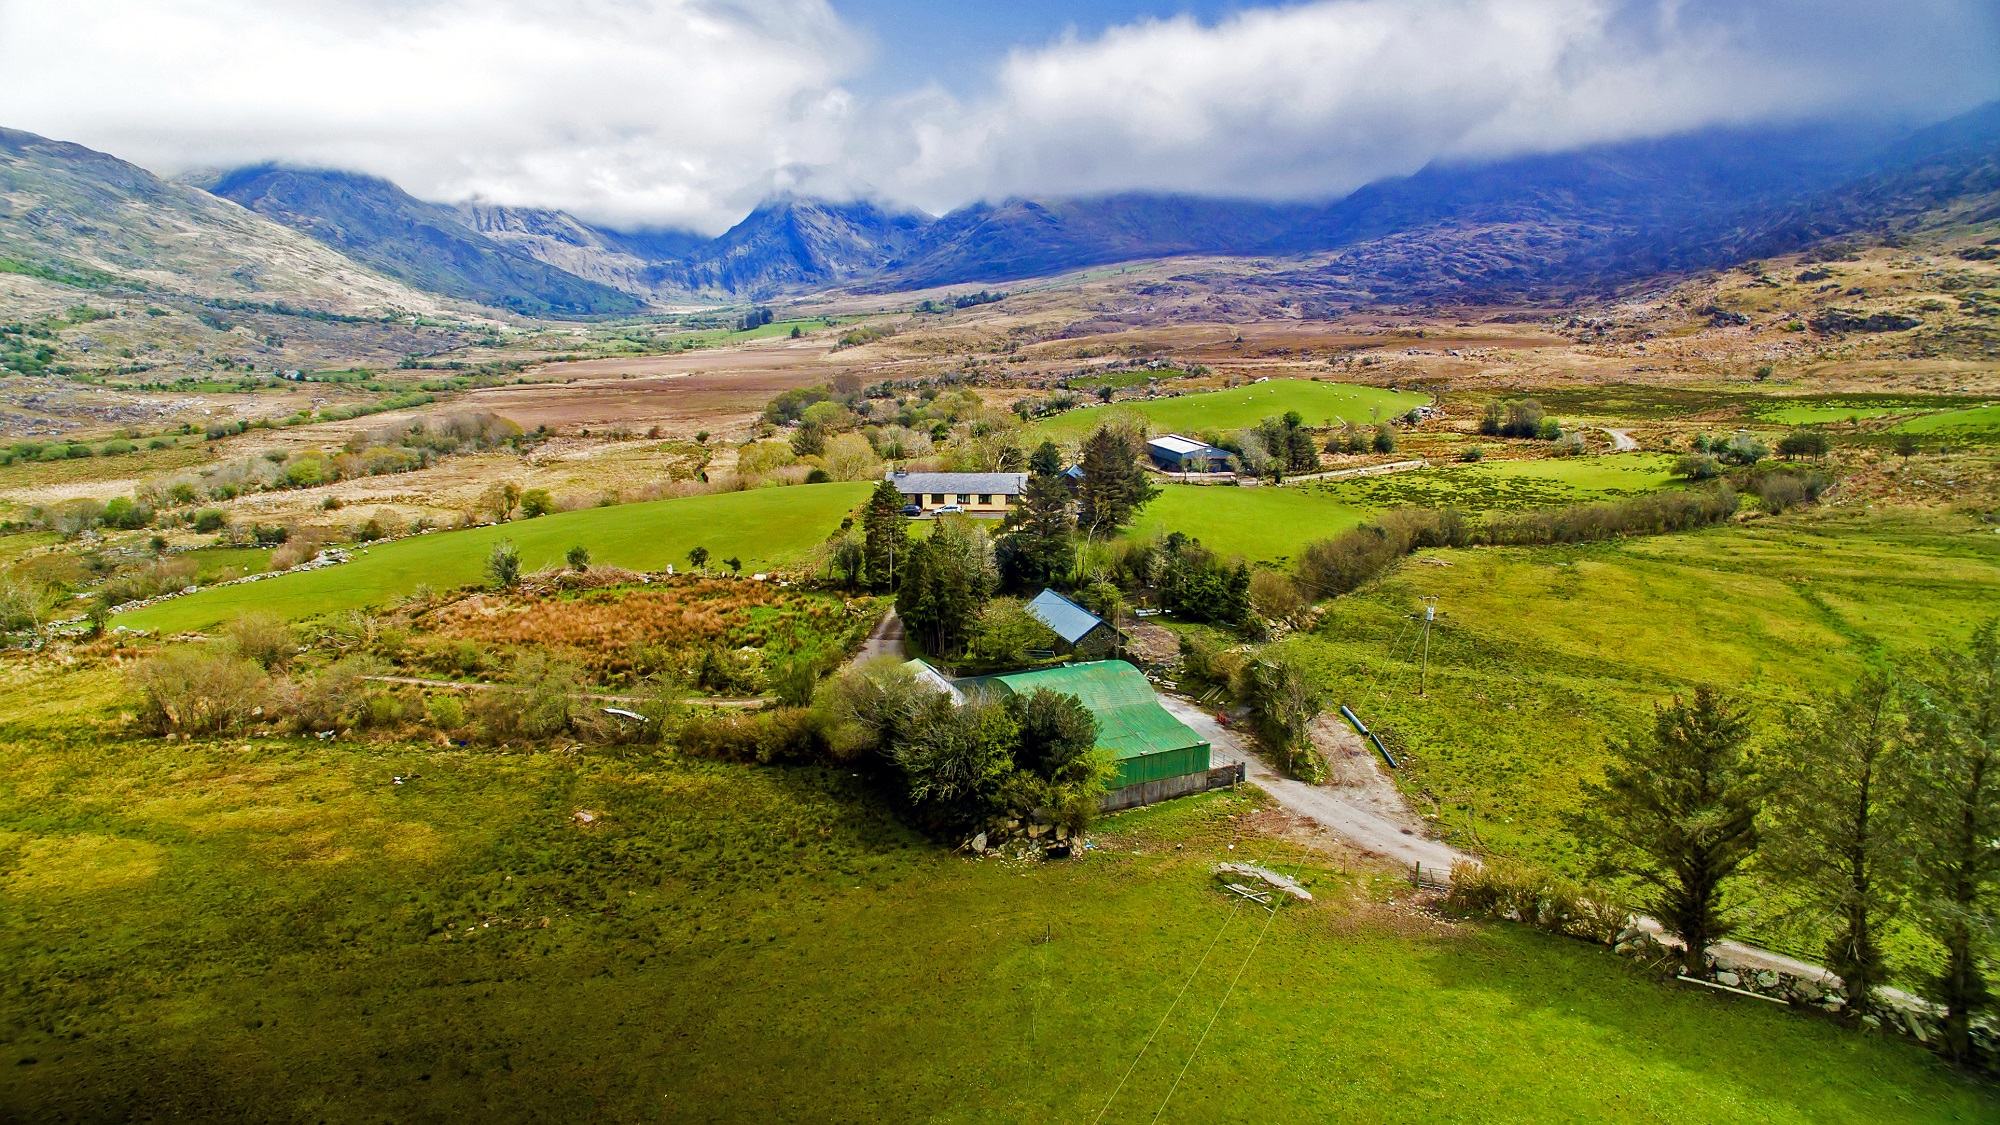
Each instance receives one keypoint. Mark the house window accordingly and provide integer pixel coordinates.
(986, 499)
(939, 498)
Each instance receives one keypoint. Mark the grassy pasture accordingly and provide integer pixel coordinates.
(764, 527)
(1320, 403)
(1545, 653)
(1270, 524)
(1977, 419)
(273, 930)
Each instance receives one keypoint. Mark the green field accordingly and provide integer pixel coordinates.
(1267, 524)
(1984, 419)
(1320, 403)
(764, 527)
(270, 929)
(1545, 653)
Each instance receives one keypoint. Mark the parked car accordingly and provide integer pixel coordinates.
(948, 509)
(913, 509)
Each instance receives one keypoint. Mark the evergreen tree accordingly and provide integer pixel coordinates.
(1046, 459)
(1114, 487)
(1834, 828)
(944, 585)
(1037, 553)
(1953, 819)
(1678, 811)
(886, 535)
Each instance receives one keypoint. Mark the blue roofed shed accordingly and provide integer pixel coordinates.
(1077, 629)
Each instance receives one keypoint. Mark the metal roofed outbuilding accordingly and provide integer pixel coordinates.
(1181, 454)
(1079, 629)
(1147, 743)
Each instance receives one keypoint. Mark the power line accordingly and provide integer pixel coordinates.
(1169, 1012)
(1270, 916)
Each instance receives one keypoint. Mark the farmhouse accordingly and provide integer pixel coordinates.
(979, 494)
(1177, 454)
(1078, 631)
(1149, 745)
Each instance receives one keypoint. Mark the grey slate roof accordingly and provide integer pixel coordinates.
(1070, 621)
(1005, 484)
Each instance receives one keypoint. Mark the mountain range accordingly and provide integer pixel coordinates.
(1564, 222)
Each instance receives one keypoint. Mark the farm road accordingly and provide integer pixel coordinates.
(1369, 812)
(886, 640)
(1622, 442)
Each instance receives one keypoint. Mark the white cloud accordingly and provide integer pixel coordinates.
(1319, 98)
(688, 111)
(678, 110)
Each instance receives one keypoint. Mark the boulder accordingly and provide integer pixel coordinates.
(978, 844)
(1729, 979)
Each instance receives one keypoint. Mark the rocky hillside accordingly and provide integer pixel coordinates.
(70, 212)
(428, 245)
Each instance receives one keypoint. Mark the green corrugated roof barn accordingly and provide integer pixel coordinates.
(1148, 743)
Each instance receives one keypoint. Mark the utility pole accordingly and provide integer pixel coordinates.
(1429, 615)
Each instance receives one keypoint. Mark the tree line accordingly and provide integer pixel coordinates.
(1878, 806)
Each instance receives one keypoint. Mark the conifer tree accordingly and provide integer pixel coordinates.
(1678, 811)
(885, 532)
(1114, 487)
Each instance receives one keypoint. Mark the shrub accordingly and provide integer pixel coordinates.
(1006, 633)
(198, 691)
(25, 603)
(1697, 466)
(210, 520)
(1519, 893)
(578, 558)
(337, 697)
(536, 502)
(793, 681)
(784, 734)
(1385, 438)
(1743, 449)
(1472, 455)
(264, 638)
(539, 702)
(503, 563)
(1276, 597)
(125, 514)
(1284, 700)
(446, 711)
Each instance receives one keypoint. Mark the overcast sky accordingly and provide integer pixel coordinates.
(686, 112)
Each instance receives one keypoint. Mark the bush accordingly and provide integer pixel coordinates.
(1006, 633)
(210, 520)
(338, 696)
(1781, 491)
(578, 558)
(1697, 466)
(264, 638)
(1276, 597)
(503, 563)
(1806, 442)
(1472, 455)
(1743, 449)
(539, 702)
(784, 734)
(127, 515)
(536, 502)
(198, 691)
(1519, 893)
(445, 711)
